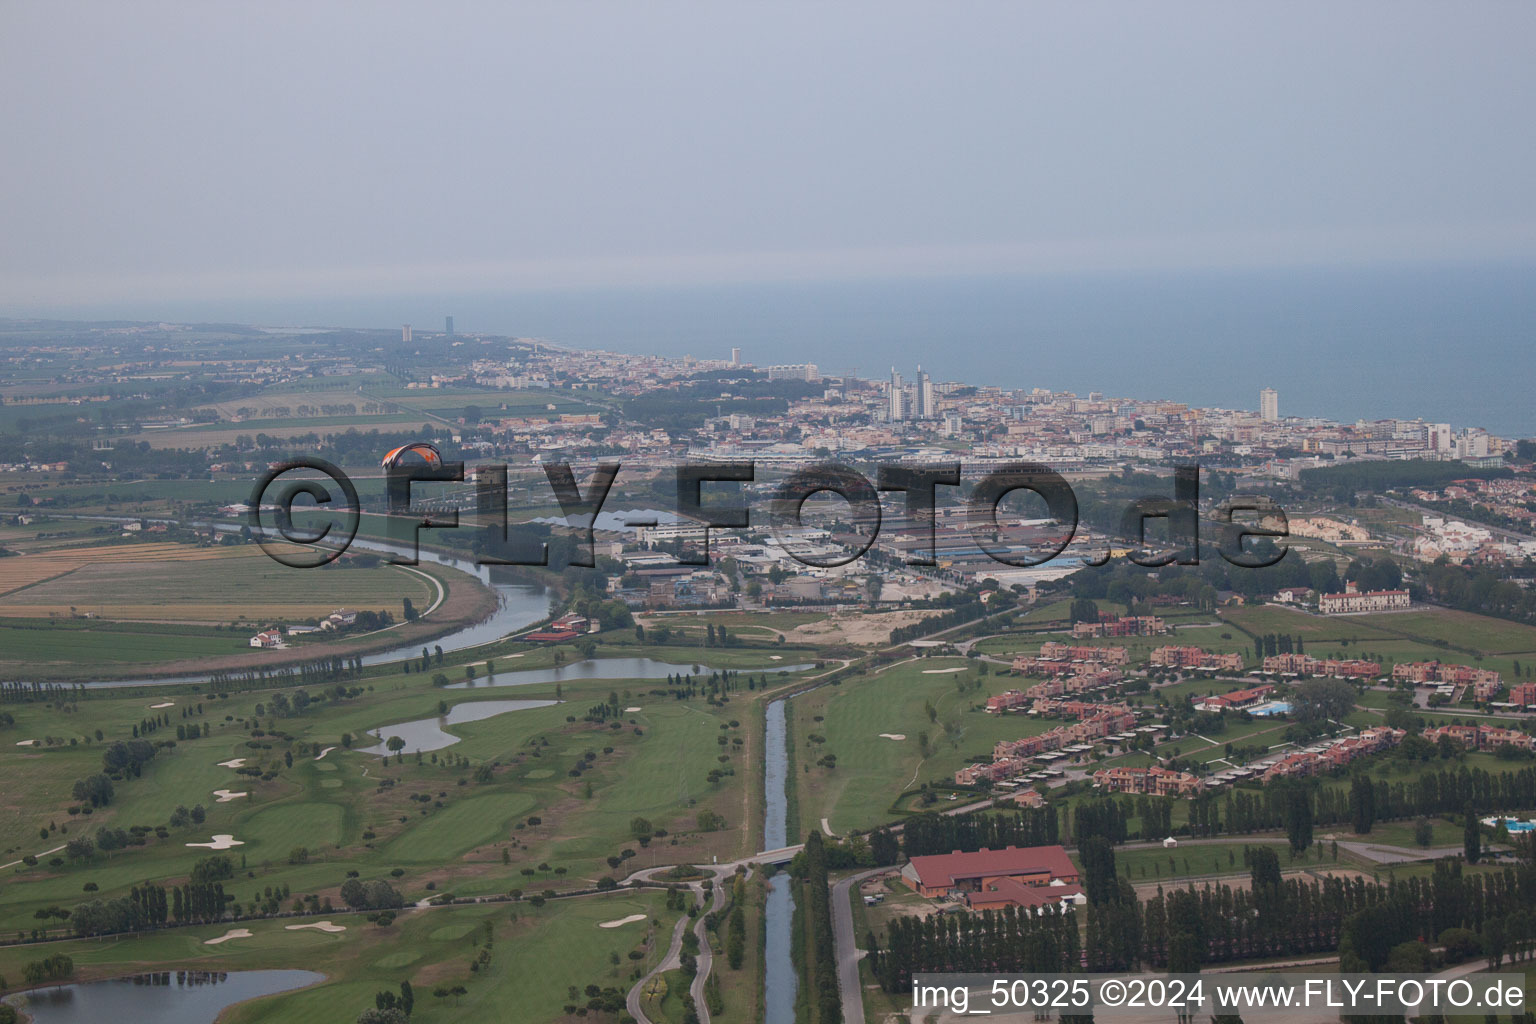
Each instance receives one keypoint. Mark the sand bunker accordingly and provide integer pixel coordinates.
(220, 842)
(233, 933)
(942, 671)
(166, 704)
(631, 919)
(25, 743)
(319, 926)
(322, 753)
(630, 711)
(238, 762)
(775, 657)
(225, 796)
(893, 735)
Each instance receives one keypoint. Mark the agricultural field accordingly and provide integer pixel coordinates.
(1427, 634)
(94, 642)
(274, 404)
(757, 625)
(1212, 637)
(183, 583)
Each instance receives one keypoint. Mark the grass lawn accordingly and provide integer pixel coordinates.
(430, 948)
(432, 820)
(873, 770)
(1400, 833)
(1182, 862)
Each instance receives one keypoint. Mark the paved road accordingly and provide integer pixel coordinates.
(845, 945)
(40, 855)
(706, 955)
(723, 875)
(672, 960)
(1396, 854)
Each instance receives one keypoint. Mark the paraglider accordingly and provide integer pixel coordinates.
(425, 449)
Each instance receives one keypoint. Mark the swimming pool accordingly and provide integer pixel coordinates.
(1513, 825)
(1274, 707)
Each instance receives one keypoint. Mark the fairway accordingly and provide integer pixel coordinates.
(461, 827)
(276, 829)
(872, 770)
(427, 947)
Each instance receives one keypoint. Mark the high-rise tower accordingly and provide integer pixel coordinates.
(897, 410)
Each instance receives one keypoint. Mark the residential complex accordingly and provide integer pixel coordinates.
(1337, 668)
(1152, 781)
(1480, 737)
(1334, 753)
(1196, 658)
(1120, 625)
(1355, 600)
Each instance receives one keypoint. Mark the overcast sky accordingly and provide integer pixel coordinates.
(205, 151)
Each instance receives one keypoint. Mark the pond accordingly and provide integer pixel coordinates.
(166, 997)
(426, 734)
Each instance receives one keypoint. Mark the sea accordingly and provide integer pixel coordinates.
(1448, 344)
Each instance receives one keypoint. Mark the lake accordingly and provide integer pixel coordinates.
(166, 997)
(430, 733)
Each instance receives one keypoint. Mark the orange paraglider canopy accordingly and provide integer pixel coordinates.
(425, 449)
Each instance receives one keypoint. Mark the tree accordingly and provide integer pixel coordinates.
(1320, 700)
(1264, 868)
(1098, 859)
(1423, 832)
(1186, 932)
(353, 894)
(1472, 836)
(395, 744)
(1362, 803)
(373, 1015)
(1298, 817)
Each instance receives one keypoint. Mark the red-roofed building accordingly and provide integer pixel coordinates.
(1155, 780)
(1354, 600)
(551, 636)
(1481, 737)
(981, 871)
(1195, 657)
(1005, 892)
(1236, 700)
(1120, 625)
(1006, 701)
